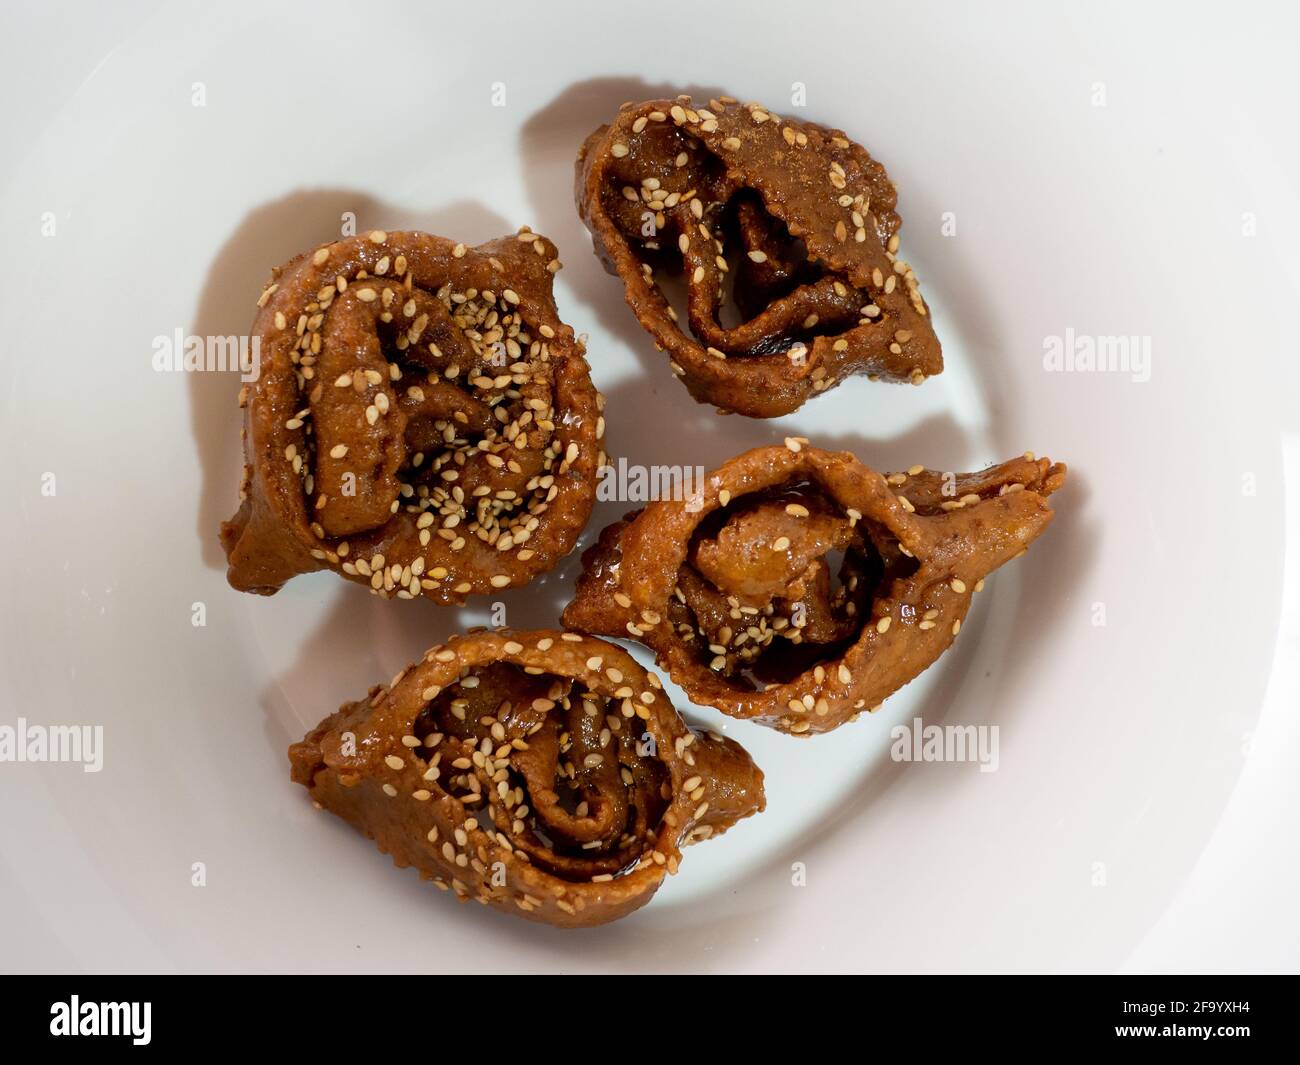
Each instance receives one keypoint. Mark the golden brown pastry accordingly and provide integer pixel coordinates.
(543, 773)
(788, 225)
(738, 593)
(423, 424)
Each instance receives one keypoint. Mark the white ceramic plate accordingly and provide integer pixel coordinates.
(1061, 173)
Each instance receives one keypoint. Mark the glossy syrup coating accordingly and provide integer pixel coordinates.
(544, 773)
(423, 422)
(788, 223)
(741, 596)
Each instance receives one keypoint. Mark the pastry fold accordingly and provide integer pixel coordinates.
(542, 773)
(799, 587)
(788, 225)
(423, 423)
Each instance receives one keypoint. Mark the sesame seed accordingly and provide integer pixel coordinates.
(882, 626)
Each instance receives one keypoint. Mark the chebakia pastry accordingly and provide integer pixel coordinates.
(423, 422)
(785, 236)
(543, 773)
(739, 592)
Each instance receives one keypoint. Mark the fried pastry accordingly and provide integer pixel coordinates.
(543, 773)
(799, 588)
(788, 226)
(423, 423)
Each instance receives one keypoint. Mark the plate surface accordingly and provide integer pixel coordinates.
(1060, 177)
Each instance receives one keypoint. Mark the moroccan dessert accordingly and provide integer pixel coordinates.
(785, 236)
(800, 588)
(423, 424)
(543, 773)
